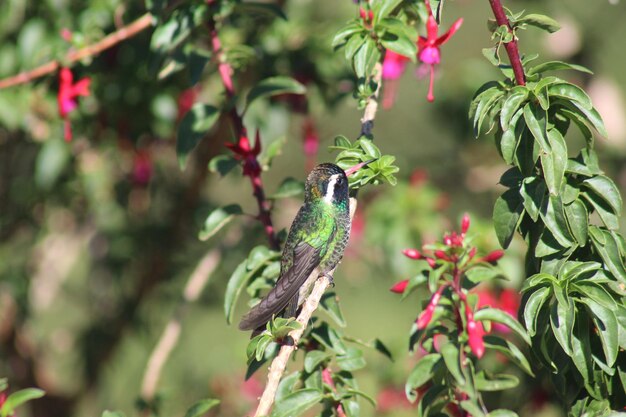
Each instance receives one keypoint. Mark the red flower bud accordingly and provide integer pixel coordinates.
(476, 332)
(431, 262)
(412, 253)
(471, 253)
(399, 287)
(426, 316)
(441, 255)
(493, 256)
(465, 223)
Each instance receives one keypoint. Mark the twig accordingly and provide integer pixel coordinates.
(105, 43)
(511, 47)
(252, 168)
(196, 283)
(279, 364)
(367, 121)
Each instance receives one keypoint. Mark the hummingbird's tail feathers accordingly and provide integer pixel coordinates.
(306, 259)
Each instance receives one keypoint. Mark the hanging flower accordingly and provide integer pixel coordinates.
(475, 333)
(247, 154)
(428, 47)
(399, 287)
(68, 91)
(394, 65)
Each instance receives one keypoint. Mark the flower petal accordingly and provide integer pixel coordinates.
(446, 36)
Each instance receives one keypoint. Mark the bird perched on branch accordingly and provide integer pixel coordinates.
(317, 239)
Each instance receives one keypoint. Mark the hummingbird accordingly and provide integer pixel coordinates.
(317, 239)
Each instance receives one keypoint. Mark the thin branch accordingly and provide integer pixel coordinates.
(196, 283)
(511, 47)
(367, 121)
(105, 43)
(252, 167)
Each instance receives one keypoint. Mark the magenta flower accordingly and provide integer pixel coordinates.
(247, 154)
(475, 333)
(399, 287)
(394, 65)
(68, 91)
(493, 257)
(412, 254)
(428, 47)
(426, 316)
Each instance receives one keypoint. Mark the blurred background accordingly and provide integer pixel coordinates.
(99, 236)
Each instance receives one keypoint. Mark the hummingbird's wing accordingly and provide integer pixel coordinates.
(306, 259)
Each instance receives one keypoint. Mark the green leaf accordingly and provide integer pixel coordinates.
(235, 285)
(314, 358)
(506, 215)
(554, 219)
(382, 8)
(330, 304)
(556, 66)
(540, 21)
(346, 32)
(581, 348)
(601, 207)
(591, 117)
(605, 244)
(218, 218)
(196, 123)
(370, 149)
(486, 103)
(534, 194)
(502, 413)
(606, 323)
(400, 44)
(508, 349)
(363, 395)
(533, 306)
(472, 407)
(296, 403)
(562, 314)
(201, 407)
(107, 413)
(605, 188)
(366, 57)
(342, 142)
(481, 273)
(354, 44)
(452, 359)
(498, 383)
(577, 219)
(222, 164)
(421, 374)
(287, 386)
(52, 159)
(535, 120)
(569, 91)
(512, 104)
(273, 86)
(351, 360)
(20, 397)
(290, 187)
(499, 316)
(554, 161)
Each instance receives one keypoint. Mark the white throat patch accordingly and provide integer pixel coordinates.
(330, 190)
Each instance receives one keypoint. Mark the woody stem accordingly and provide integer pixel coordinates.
(511, 47)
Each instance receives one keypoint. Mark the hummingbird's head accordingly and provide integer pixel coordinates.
(327, 182)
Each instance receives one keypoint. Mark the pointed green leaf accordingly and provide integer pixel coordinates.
(499, 316)
(605, 187)
(497, 383)
(218, 218)
(541, 21)
(273, 86)
(554, 161)
(506, 215)
(535, 120)
(452, 359)
(196, 123)
(562, 315)
(606, 324)
(556, 66)
(510, 350)
(201, 407)
(569, 91)
(421, 374)
(533, 306)
(296, 403)
(330, 304)
(578, 221)
(511, 105)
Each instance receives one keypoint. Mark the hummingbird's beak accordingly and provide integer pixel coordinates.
(356, 167)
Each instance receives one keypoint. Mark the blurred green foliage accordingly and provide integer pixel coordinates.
(99, 236)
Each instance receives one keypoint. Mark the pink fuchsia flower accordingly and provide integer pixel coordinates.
(508, 301)
(399, 287)
(66, 97)
(247, 154)
(394, 65)
(429, 47)
(465, 223)
(186, 100)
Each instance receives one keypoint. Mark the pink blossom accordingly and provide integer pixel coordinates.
(66, 97)
(429, 47)
(493, 256)
(427, 315)
(475, 332)
(465, 223)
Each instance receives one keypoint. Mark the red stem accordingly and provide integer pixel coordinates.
(511, 47)
(225, 71)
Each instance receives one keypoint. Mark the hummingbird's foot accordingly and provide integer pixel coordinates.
(330, 278)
